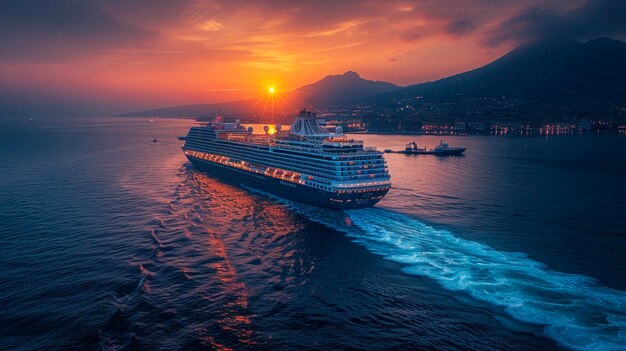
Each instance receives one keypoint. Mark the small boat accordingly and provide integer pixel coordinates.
(155, 140)
(443, 149)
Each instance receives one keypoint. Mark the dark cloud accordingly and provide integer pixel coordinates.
(460, 27)
(591, 19)
(149, 11)
(411, 34)
(57, 31)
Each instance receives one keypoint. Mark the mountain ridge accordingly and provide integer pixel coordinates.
(331, 89)
(543, 70)
(349, 83)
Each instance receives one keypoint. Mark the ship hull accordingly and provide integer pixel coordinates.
(288, 190)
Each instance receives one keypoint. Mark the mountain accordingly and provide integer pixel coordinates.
(541, 71)
(331, 89)
(195, 110)
(540, 79)
(342, 88)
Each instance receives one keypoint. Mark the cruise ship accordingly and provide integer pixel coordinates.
(306, 163)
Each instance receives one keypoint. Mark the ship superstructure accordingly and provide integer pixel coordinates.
(307, 163)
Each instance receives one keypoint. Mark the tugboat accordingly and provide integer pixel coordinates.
(443, 149)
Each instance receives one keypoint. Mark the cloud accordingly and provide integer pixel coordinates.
(460, 27)
(411, 34)
(212, 26)
(349, 25)
(59, 31)
(590, 19)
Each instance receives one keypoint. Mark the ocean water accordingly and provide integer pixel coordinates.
(110, 241)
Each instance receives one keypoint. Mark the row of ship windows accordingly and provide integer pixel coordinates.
(373, 163)
(324, 178)
(305, 146)
(264, 149)
(362, 155)
(219, 160)
(310, 153)
(223, 161)
(357, 200)
(280, 164)
(266, 158)
(327, 188)
(358, 191)
(342, 149)
(311, 149)
(307, 155)
(357, 169)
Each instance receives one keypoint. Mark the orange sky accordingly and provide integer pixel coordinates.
(121, 55)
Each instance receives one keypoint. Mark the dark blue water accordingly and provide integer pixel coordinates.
(109, 241)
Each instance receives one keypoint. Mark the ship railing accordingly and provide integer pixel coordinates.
(341, 140)
(363, 152)
(259, 140)
(317, 149)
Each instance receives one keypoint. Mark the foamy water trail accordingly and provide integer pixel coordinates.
(575, 310)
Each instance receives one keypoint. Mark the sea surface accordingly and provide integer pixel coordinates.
(111, 241)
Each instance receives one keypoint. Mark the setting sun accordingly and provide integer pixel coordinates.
(271, 90)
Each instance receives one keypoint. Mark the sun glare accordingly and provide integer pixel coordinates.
(272, 98)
